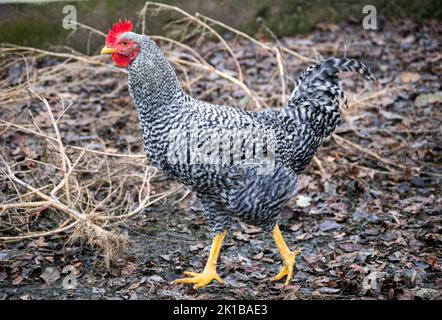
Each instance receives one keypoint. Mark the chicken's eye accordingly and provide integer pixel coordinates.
(124, 43)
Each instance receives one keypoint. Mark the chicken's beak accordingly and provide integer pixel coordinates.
(107, 50)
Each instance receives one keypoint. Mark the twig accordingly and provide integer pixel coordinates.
(281, 75)
(203, 24)
(258, 43)
(40, 234)
(225, 76)
(373, 154)
(66, 55)
(53, 202)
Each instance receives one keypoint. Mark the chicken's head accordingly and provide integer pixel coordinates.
(123, 50)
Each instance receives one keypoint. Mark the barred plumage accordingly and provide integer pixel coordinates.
(231, 188)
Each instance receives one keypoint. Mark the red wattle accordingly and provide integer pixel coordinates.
(120, 60)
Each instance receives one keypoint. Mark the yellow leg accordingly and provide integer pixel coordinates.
(209, 273)
(288, 257)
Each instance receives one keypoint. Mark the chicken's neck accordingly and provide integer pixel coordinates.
(153, 84)
(155, 91)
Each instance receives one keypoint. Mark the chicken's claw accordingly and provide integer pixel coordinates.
(200, 279)
(287, 268)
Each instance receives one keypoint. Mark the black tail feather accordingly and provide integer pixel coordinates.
(323, 78)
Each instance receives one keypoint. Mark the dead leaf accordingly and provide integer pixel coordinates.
(165, 257)
(40, 242)
(304, 236)
(249, 229)
(328, 225)
(296, 227)
(128, 269)
(303, 201)
(407, 77)
(432, 261)
(134, 286)
(350, 247)
(426, 99)
(196, 247)
(50, 275)
(258, 256)
(17, 280)
(327, 290)
(155, 278)
(426, 293)
(406, 294)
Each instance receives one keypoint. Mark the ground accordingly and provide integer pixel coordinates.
(368, 212)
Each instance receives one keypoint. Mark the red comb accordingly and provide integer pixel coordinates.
(117, 29)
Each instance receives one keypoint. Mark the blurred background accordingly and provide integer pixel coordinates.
(38, 23)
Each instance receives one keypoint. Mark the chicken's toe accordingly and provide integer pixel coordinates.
(200, 279)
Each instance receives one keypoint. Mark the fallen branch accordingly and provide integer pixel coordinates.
(371, 153)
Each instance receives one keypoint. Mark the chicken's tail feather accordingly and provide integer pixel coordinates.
(321, 80)
(315, 100)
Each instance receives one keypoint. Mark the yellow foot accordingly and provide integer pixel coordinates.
(200, 279)
(287, 269)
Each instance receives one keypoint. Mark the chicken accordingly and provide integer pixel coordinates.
(241, 164)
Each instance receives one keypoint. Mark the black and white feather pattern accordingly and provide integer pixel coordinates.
(231, 190)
